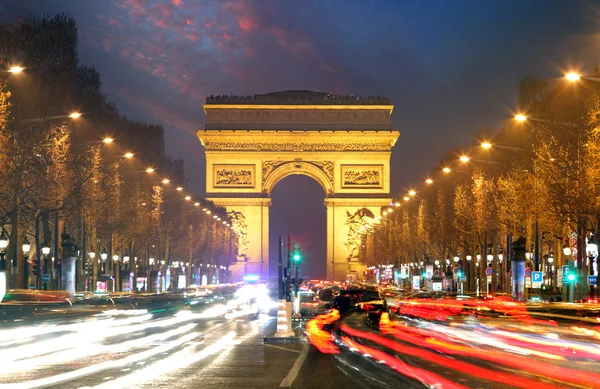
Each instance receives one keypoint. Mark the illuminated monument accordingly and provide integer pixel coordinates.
(342, 142)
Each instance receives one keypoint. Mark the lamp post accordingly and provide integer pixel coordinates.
(126, 270)
(116, 271)
(490, 259)
(45, 253)
(3, 245)
(26, 247)
(3, 272)
(592, 252)
(550, 270)
(104, 257)
(90, 270)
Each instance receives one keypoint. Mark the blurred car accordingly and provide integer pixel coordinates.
(361, 299)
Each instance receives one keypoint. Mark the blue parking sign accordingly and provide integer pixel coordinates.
(537, 276)
(592, 280)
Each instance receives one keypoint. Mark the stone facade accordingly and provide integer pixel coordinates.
(345, 147)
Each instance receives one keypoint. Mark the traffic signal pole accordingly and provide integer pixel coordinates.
(280, 279)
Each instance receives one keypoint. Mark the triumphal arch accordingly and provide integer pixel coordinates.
(342, 142)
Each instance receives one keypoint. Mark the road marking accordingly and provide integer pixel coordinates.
(293, 373)
(283, 348)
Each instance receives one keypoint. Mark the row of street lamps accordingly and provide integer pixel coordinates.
(370, 225)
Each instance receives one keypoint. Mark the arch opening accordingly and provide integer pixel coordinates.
(297, 209)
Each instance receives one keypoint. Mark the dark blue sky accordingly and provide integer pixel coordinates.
(451, 67)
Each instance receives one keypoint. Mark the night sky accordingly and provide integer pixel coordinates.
(451, 67)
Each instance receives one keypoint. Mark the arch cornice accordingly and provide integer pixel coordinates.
(298, 167)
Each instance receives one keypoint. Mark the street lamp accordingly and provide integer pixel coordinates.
(3, 245)
(104, 255)
(456, 258)
(74, 115)
(45, 253)
(520, 118)
(486, 145)
(429, 181)
(15, 69)
(464, 158)
(446, 170)
(490, 255)
(26, 247)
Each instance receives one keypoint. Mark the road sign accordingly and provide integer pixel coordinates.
(437, 273)
(463, 278)
(455, 270)
(565, 274)
(527, 272)
(45, 278)
(592, 280)
(536, 279)
(489, 271)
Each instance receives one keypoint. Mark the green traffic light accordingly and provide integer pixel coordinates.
(297, 257)
(571, 277)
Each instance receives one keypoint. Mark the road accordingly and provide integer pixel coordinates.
(218, 343)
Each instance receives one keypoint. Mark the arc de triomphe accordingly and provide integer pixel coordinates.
(342, 142)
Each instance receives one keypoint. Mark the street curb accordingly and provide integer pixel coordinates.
(293, 373)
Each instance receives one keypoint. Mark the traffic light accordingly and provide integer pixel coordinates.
(459, 273)
(571, 277)
(37, 269)
(297, 257)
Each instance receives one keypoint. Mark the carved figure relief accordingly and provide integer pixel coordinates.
(233, 176)
(257, 146)
(357, 176)
(353, 240)
(238, 222)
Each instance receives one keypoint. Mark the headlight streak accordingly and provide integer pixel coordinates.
(174, 362)
(81, 342)
(90, 350)
(114, 364)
